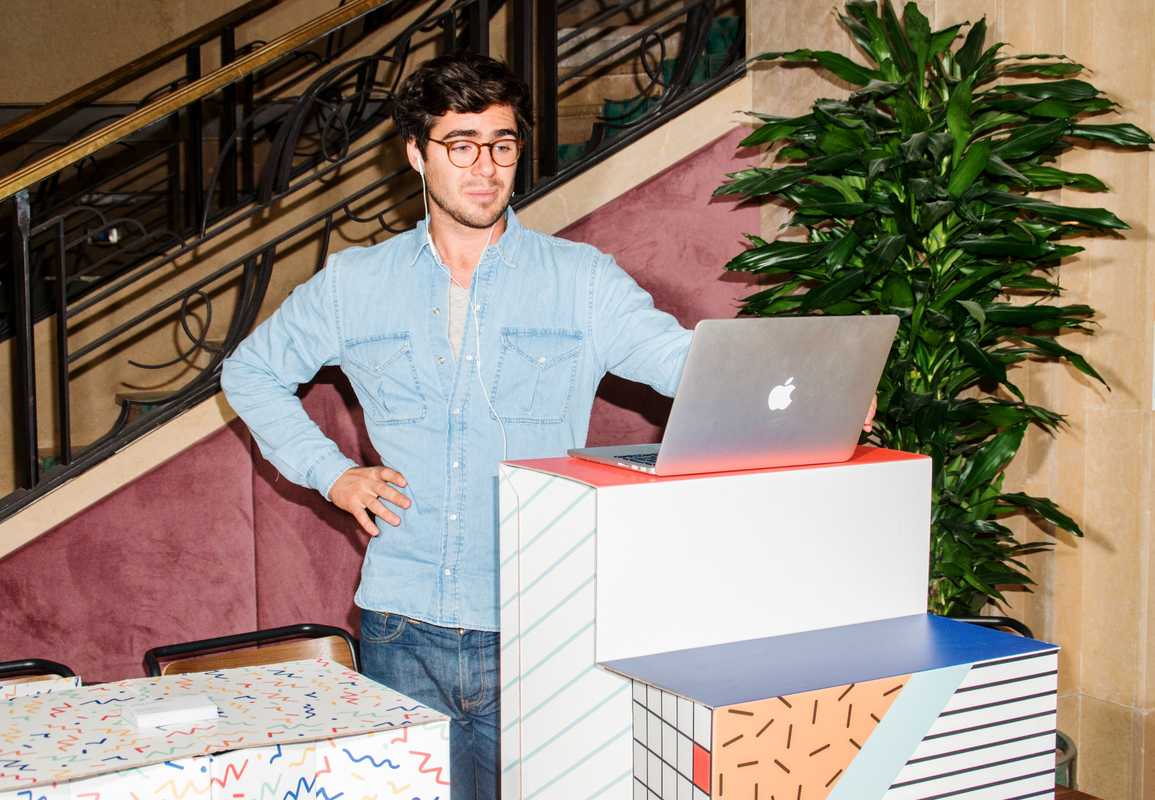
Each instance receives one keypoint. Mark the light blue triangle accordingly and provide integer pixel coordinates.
(903, 727)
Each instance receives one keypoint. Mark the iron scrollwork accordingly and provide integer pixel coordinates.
(124, 221)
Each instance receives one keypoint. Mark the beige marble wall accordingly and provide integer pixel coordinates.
(1094, 595)
(88, 38)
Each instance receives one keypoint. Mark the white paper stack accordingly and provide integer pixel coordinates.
(171, 711)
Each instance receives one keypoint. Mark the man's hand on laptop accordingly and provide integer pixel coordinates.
(361, 490)
(868, 426)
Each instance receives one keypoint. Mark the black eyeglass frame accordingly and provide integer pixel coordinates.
(447, 144)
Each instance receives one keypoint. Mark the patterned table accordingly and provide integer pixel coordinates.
(298, 729)
(39, 686)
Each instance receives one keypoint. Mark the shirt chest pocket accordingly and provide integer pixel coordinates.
(536, 370)
(384, 374)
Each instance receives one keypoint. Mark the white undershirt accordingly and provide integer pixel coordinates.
(458, 311)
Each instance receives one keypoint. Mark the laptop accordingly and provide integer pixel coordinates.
(766, 392)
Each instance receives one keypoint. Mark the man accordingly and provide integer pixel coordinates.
(467, 340)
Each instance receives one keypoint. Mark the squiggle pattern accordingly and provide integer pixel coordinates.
(281, 717)
(425, 759)
(382, 763)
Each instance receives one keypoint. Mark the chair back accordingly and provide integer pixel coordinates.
(33, 669)
(269, 646)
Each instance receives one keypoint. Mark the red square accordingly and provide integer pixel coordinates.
(701, 768)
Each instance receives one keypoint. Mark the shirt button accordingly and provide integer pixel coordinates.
(469, 356)
(456, 411)
(452, 517)
(441, 359)
(436, 311)
(541, 359)
(457, 465)
(448, 572)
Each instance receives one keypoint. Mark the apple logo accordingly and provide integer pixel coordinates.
(780, 395)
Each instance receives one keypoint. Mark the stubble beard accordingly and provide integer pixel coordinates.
(469, 218)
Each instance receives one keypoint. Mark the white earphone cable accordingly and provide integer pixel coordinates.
(474, 311)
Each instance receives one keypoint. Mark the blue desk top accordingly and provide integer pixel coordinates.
(742, 672)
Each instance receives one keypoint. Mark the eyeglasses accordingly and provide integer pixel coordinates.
(464, 152)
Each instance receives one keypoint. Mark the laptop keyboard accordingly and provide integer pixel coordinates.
(644, 459)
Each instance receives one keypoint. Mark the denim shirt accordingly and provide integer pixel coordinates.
(554, 316)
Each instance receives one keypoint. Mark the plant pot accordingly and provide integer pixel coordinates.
(1065, 755)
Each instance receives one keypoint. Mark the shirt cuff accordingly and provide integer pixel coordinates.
(325, 472)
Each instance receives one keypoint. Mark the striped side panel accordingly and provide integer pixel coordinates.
(994, 740)
(565, 722)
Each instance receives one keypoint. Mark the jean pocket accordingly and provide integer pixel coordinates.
(384, 375)
(536, 370)
(381, 627)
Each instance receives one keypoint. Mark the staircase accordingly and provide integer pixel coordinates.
(146, 248)
(602, 103)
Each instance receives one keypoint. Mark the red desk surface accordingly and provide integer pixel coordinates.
(603, 475)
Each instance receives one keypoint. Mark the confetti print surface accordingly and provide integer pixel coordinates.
(29, 688)
(335, 722)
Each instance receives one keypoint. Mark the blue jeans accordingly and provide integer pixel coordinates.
(453, 670)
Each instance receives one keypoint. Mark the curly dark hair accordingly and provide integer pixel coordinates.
(464, 82)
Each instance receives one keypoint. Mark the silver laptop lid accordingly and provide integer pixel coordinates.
(779, 391)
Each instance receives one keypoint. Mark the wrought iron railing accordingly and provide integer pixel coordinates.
(154, 178)
(314, 144)
(149, 72)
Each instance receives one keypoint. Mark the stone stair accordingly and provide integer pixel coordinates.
(601, 105)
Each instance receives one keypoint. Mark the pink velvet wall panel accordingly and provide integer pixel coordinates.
(309, 551)
(167, 558)
(674, 238)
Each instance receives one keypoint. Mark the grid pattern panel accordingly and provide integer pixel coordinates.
(667, 730)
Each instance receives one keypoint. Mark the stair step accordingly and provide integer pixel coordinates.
(49, 458)
(579, 112)
(144, 397)
(594, 42)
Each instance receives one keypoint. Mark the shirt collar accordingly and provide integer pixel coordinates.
(506, 247)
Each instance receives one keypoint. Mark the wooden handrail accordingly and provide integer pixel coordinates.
(137, 68)
(141, 118)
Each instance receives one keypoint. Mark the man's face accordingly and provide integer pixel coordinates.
(475, 196)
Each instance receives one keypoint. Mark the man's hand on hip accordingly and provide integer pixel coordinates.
(361, 490)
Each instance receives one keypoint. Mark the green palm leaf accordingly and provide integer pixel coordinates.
(916, 196)
(837, 63)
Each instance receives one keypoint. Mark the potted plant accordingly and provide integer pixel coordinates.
(916, 195)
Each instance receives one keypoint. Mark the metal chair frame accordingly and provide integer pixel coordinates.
(307, 630)
(33, 666)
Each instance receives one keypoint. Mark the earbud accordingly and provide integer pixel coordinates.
(420, 166)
